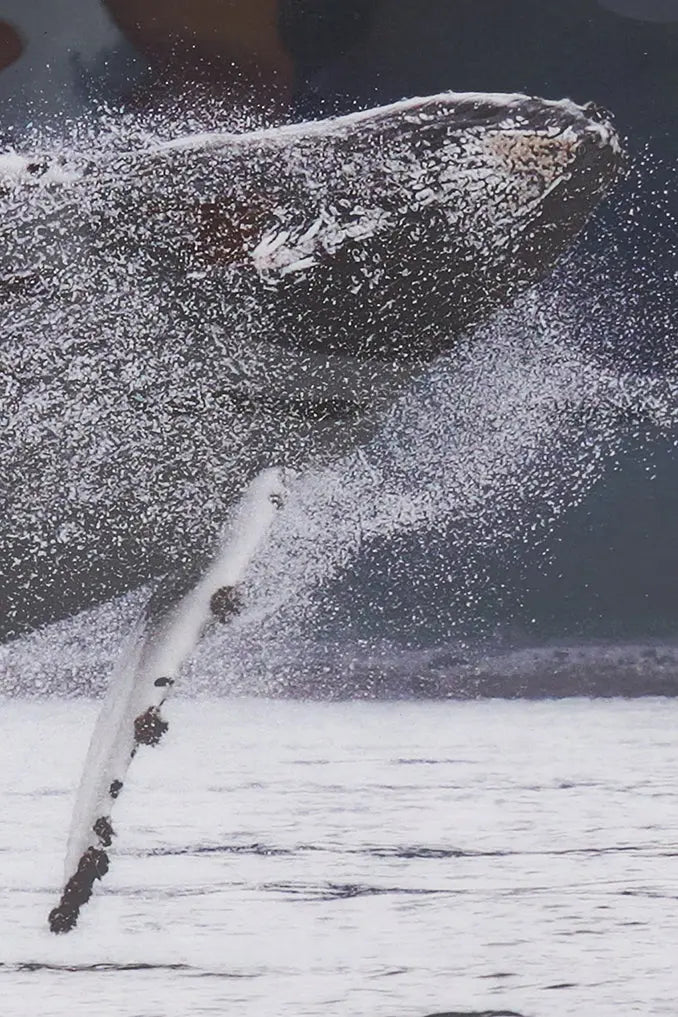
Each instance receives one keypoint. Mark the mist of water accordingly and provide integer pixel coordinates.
(490, 448)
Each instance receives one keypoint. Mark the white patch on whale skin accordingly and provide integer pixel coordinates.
(281, 252)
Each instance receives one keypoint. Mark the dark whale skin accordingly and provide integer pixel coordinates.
(177, 316)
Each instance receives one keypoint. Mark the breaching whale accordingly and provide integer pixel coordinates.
(185, 322)
(179, 315)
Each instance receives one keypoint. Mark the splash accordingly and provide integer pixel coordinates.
(489, 449)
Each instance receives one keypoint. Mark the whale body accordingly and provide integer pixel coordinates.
(177, 316)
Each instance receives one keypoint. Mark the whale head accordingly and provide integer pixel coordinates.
(387, 233)
(382, 234)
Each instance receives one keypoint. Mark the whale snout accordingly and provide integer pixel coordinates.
(505, 154)
(534, 168)
(599, 140)
(589, 159)
(458, 202)
(428, 214)
(554, 131)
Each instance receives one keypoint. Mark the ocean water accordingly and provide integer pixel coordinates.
(355, 859)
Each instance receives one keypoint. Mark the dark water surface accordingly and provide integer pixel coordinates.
(353, 859)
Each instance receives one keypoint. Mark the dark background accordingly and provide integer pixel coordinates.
(320, 54)
(610, 568)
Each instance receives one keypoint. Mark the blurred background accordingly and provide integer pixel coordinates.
(314, 56)
(608, 569)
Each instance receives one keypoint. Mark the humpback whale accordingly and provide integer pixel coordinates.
(186, 323)
(176, 316)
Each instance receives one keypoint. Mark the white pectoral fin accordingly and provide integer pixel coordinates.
(169, 631)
